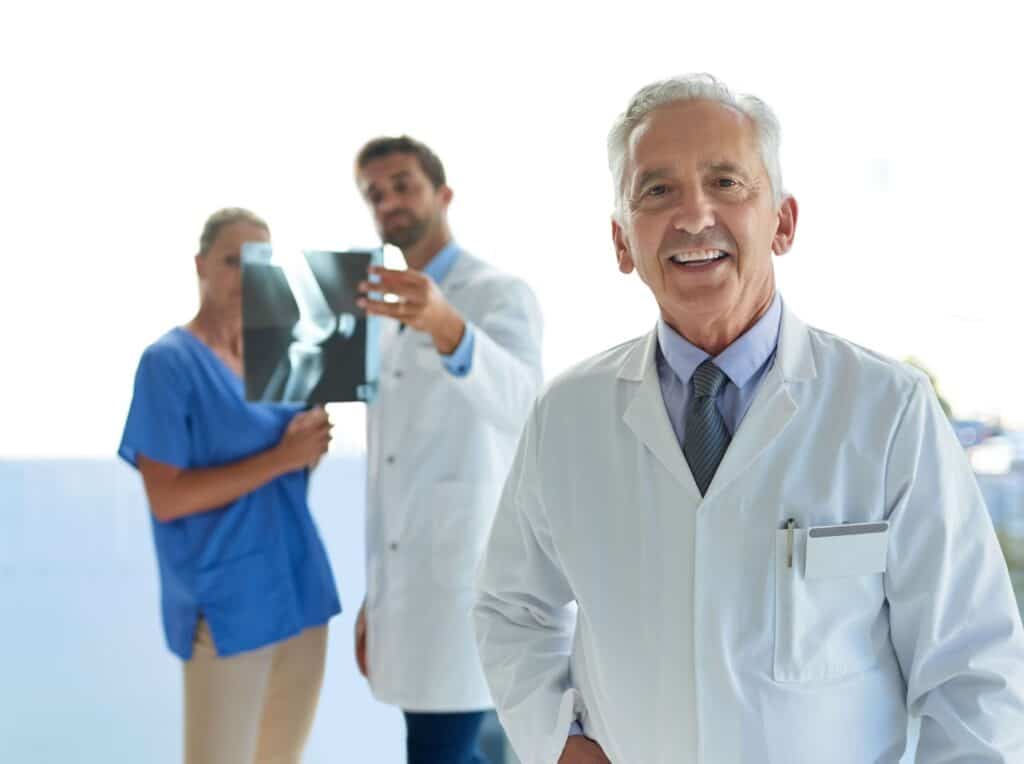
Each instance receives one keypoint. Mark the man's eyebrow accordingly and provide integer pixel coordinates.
(727, 167)
(400, 175)
(653, 174)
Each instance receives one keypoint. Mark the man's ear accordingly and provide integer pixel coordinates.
(622, 253)
(786, 231)
(446, 195)
(200, 265)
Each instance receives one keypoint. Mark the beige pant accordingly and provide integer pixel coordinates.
(254, 707)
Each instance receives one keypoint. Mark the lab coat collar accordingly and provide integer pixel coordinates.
(772, 410)
(441, 263)
(794, 356)
(462, 271)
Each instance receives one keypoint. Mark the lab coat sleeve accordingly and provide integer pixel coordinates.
(505, 370)
(525, 617)
(953, 619)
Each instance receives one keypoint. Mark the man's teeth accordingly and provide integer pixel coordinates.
(702, 256)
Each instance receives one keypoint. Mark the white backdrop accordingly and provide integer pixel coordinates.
(127, 123)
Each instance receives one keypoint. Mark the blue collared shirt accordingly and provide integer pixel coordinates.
(744, 362)
(459, 362)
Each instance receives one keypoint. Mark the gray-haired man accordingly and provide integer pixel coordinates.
(739, 538)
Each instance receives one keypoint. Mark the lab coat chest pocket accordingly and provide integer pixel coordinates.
(830, 624)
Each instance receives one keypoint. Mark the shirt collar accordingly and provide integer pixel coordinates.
(441, 263)
(740, 361)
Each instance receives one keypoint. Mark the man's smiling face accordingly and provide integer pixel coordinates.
(698, 220)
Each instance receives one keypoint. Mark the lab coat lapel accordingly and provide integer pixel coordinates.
(461, 273)
(645, 414)
(774, 406)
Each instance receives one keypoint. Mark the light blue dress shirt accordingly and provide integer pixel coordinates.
(744, 362)
(460, 361)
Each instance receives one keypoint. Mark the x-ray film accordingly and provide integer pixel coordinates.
(305, 340)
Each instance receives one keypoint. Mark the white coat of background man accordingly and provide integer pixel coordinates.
(767, 539)
(460, 365)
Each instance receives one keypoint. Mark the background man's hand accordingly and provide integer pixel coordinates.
(582, 750)
(420, 305)
(361, 641)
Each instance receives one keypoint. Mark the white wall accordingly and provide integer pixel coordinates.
(127, 123)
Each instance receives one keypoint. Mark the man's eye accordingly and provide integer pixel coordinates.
(659, 190)
(726, 183)
(401, 188)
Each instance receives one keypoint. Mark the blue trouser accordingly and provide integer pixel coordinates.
(443, 738)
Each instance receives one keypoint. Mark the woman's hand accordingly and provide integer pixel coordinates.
(305, 440)
(176, 492)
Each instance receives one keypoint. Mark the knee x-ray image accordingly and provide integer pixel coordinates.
(305, 340)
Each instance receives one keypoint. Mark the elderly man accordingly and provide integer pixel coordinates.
(740, 538)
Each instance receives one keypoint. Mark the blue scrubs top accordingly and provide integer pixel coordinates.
(255, 569)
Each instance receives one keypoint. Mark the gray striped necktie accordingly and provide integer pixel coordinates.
(706, 437)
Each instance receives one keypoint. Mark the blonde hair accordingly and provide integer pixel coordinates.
(225, 217)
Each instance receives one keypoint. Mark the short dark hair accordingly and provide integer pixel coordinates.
(403, 144)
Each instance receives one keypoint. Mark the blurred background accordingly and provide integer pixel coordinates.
(126, 124)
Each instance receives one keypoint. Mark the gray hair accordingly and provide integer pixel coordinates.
(223, 218)
(687, 88)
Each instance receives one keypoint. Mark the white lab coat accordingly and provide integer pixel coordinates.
(439, 449)
(694, 641)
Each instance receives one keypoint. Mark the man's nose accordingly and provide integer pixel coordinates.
(694, 213)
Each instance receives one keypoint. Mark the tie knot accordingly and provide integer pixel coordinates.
(708, 380)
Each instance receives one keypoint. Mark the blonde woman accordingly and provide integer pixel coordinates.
(246, 586)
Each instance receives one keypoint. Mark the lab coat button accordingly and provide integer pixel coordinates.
(398, 373)
(390, 459)
(393, 546)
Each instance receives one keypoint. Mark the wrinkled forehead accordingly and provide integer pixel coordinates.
(692, 133)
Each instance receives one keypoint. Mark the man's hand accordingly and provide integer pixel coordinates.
(361, 641)
(420, 305)
(582, 750)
